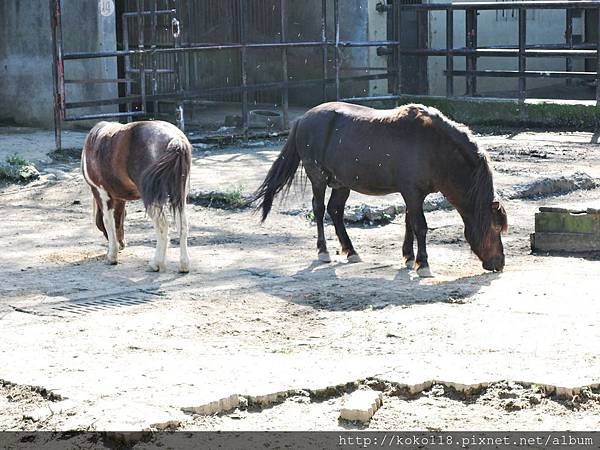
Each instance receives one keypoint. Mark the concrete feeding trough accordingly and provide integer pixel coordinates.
(269, 119)
(566, 230)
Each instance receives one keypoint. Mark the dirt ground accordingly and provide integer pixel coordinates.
(262, 336)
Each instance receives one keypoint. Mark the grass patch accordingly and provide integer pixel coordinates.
(18, 170)
(232, 198)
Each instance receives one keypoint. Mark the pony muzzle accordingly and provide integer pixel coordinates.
(495, 264)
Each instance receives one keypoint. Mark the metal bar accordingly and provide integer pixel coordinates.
(176, 30)
(58, 71)
(205, 47)
(140, 24)
(336, 25)
(371, 99)
(569, 41)
(579, 4)
(127, 64)
(221, 90)
(158, 71)
(153, 39)
(449, 47)
(244, 65)
(98, 81)
(151, 12)
(324, 45)
(284, 65)
(103, 116)
(471, 41)
(597, 56)
(527, 74)
(506, 52)
(522, 55)
(397, 10)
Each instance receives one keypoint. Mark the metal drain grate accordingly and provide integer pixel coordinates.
(98, 303)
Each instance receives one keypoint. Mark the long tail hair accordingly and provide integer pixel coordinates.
(167, 179)
(280, 175)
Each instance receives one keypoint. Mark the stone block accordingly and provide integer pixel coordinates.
(361, 405)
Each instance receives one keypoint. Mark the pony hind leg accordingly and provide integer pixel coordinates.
(182, 225)
(335, 208)
(161, 227)
(120, 213)
(408, 252)
(318, 204)
(110, 229)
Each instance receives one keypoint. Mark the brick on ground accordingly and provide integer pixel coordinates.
(361, 405)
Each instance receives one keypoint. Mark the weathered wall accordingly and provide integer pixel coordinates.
(26, 89)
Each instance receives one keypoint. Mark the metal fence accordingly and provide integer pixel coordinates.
(160, 67)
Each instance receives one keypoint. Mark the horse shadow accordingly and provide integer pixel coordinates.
(326, 287)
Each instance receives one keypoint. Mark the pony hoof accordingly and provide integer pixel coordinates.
(184, 269)
(424, 272)
(354, 258)
(409, 263)
(324, 257)
(111, 261)
(122, 245)
(153, 267)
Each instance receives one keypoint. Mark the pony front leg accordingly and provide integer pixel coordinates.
(408, 252)
(161, 226)
(184, 257)
(419, 225)
(108, 220)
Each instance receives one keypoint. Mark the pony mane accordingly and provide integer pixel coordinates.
(480, 193)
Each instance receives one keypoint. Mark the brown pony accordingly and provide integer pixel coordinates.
(147, 160)
(414, 150)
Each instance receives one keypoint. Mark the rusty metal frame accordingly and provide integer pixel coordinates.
(328, 48)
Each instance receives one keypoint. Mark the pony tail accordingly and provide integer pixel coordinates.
(280, 176)
(167, 179)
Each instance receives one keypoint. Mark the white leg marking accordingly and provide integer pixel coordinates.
(108, 218)
(161, 226)
(184, 257)
(324, 257)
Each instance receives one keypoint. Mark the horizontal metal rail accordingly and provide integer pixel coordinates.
(480, 6)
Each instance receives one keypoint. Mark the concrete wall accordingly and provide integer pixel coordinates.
(26, 89)
(499, 28)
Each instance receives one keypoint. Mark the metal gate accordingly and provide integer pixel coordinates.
(148, 65)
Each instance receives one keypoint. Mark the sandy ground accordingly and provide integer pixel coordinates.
(280, 339)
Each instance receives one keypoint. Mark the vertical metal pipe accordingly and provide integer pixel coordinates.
(244, 63)
(127, 62)
(471, 41)
(176, 30)
(397, 20)
(58, 71)
(336, 24)
(598, 56)
(153, 45)
(449, 47)
(569, 42)
(324, 46)
(284, 64)
(522, 55)
(142, 66)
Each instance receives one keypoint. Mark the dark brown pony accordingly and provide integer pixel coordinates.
(414, 150)
(147, 160)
